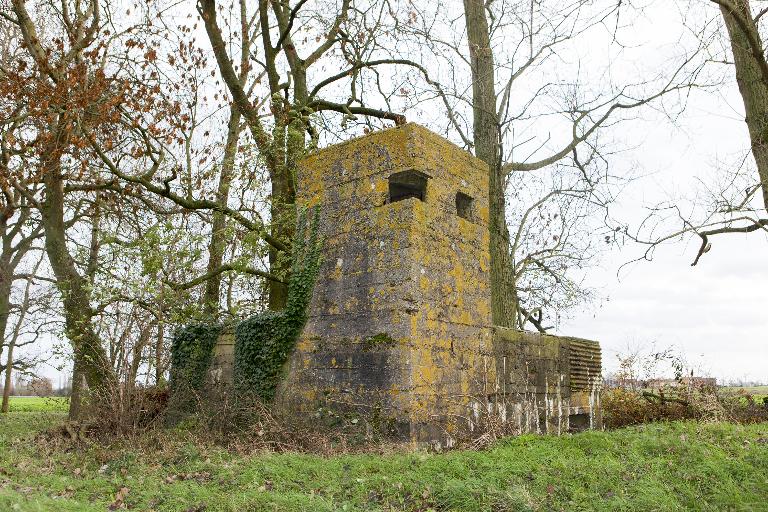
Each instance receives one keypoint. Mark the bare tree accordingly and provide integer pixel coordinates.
(305, 52)
(23, 333)
(737, 202)
(45, 85)
(95, 129)
(751, 69)
(498, 65)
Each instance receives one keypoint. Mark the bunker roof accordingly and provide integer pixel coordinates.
(396, 136)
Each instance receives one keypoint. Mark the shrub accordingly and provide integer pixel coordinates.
(623, 407)
(744, 407)
(149, 403)
(191, 355)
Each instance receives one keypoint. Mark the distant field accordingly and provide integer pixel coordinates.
(756, 391)
(38, 404)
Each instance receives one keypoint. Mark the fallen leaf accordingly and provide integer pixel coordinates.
(119, 502)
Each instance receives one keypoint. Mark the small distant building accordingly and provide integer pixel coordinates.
(687, 382)
(612, 382)
(400, 320)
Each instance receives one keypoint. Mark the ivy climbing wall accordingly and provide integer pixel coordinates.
(400, 319)
(248, 357)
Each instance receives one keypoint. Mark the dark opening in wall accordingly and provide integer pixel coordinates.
(464, 205)
(405, 184)
(578, 422)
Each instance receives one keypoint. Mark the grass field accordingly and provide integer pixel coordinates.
(677, 466)
(755, 391)
(38, 404)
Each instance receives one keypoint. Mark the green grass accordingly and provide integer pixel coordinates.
(757, 392)
(664, 467)
(38, 404)
(753, 390)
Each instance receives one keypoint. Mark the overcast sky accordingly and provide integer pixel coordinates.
(715, 313)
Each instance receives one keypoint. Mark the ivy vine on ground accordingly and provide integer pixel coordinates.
(264, 342)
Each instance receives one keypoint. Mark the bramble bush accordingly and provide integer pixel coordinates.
(623, 407)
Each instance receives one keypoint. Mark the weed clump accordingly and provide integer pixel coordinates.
(623, 407)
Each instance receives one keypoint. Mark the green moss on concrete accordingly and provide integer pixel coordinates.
(379, 340)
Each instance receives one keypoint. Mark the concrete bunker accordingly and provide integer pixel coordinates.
(400, 318)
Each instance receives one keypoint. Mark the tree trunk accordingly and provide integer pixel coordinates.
(159, 347)
(290, 136)
(282, 212)
(74, 289)
(6, 281)
(5, 310)
(752, 78)
(282, 216)
(8, 376)
(487, 142)
(217, 245)
(138, 350)
(76, 394)
(23, 309)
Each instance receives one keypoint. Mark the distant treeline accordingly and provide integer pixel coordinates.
(38, 386)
